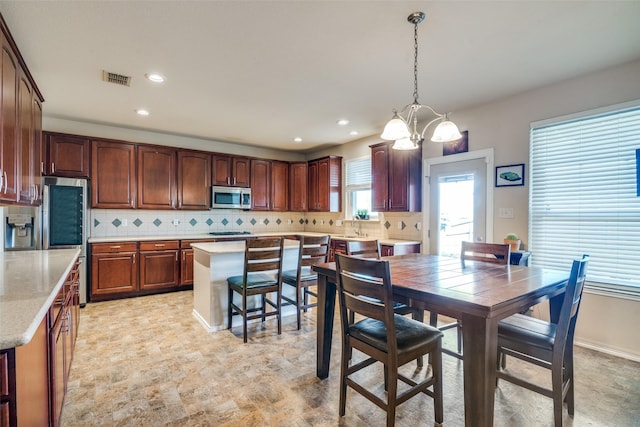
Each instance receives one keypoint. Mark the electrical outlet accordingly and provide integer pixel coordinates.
(289, 221)
(175, 221)
(505, 213)
(338, 223)
(322, 222)
(419, 226)
(399, 225)
(125, 222)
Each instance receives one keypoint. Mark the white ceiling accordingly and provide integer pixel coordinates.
(264, 72)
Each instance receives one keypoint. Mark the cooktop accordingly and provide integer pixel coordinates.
(228, 233)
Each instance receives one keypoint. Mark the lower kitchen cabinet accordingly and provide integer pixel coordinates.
(33, 377)
(114, 270)
(336, 247)
(186, 262)
(159, 265)
(390, 250)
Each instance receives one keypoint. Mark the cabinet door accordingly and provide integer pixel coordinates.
(279, 186)
(113, 273)
(57, 339)
(67, 155)
(313, 186)
(186, 267)
(379, 177)
(194, 180)
(323, 185)
(298, 186)
(156, 178)
(221, 170)
(113, 177)
(38, 161)
(241, 172)
(159, 269)
(26, 142)
(8, 136)
(398, 181)
(260, 185)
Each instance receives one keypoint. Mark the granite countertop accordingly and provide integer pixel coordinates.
(229, 247)
(389, 242)
(29, 283)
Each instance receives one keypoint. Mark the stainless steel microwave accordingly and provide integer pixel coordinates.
(230, 197)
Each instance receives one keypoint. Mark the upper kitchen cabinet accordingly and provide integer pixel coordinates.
(298, 178)
(156, 177)
(66, 155)
(396, 179)
(325, 184)
(19, 122)
(230, 171)
(8, 138)
(194, 180)
(269, 185)
(113, 175)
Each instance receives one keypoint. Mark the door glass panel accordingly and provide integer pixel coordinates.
(65, 215)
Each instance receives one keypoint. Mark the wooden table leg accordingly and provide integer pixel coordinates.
(480, 354)
(326, 309)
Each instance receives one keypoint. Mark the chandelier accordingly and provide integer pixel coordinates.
(403, 126)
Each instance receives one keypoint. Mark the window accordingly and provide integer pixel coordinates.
(584, 196)
(358, 186)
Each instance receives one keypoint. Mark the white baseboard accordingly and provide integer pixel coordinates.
(611, 351)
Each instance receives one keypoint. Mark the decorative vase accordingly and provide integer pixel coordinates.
(515, 244)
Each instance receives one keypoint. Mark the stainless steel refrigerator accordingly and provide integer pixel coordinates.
(65, 220)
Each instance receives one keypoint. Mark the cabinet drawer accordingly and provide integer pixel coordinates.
(186, 244)
(159, 245)
(105, 248)
(4, 374)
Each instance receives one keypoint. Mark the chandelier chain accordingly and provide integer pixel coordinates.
(415, 63)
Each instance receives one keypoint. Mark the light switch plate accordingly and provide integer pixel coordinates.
(505, 212)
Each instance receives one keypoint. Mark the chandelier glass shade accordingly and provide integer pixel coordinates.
(403, 126)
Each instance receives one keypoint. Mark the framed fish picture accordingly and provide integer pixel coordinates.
(510, 175)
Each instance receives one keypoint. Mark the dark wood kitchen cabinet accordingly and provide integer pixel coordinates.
(390, 250)
(231, 171)
(156, 177)
(66, 155)
(298, 179)
(9, 149)
(113, 175)
(269, 185)
(396, 181)
(19, 120)
(159, 264)
(186, 261)
(114, 270)
(325, 184)
(194, 180)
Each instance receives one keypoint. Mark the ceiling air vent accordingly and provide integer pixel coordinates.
(118, 79)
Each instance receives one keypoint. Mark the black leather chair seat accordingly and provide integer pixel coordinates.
(409, 333)
(259, 280)
(527, 331)
(306, 274)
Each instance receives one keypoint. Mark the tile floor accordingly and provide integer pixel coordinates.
(147, 362)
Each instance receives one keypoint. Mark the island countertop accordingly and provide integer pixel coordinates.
(29, 283)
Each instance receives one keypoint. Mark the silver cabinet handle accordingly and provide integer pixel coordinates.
(176, 256)
(6, 182)
(1, 179)
(114, 247)
(159, 245)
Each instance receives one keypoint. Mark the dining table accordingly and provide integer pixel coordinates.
(478, 293)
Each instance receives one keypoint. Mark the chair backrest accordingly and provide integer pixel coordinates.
(570, 305)
(496, 253)
(263, 254)
(313, 250)
(364, 287)
(363, 248)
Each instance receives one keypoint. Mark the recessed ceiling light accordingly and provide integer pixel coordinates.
(297, 139)
(155, 77)
(142, 112)
(353, 133)
(343, 122)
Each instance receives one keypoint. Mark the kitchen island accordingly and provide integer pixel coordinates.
(212, 264)
(39, 318)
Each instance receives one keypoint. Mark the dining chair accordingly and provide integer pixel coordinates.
(364, 287)
(313, 250)
(363, 248)
(371, 249)
(262, 275)
(495, 253)
(546, 344)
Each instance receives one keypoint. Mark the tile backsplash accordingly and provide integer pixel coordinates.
(127, 222)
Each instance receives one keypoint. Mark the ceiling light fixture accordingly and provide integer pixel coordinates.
(297, 139)
(155, 77)
(342, 122)
(142, 112)
(404, 131)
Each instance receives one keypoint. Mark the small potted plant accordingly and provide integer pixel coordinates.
(513, 240)
(362, 214)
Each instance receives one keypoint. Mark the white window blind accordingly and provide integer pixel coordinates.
(358, 172)
(584, 196)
